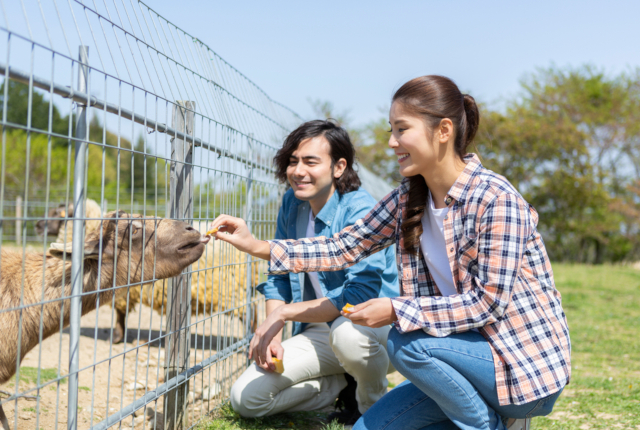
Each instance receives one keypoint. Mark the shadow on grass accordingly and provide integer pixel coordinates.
(226, 419)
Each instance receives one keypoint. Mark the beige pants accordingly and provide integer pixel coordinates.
(314, 363)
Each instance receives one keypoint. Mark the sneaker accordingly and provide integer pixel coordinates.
(345, 417)
(518, 424)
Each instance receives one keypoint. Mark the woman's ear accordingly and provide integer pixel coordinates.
(445, 130)
(339, 168)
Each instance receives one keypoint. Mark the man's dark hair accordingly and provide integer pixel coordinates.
(340, 146)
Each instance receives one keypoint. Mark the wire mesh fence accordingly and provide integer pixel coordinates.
(123, 136)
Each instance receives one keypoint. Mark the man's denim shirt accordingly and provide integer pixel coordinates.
(375, 276)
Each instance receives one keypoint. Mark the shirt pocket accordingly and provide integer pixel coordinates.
(468, 257)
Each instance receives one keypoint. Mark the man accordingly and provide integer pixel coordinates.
(325, 196)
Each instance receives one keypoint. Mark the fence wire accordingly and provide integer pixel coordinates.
(123, 137)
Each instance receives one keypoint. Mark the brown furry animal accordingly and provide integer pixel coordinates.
(218, 281)
(172, 245)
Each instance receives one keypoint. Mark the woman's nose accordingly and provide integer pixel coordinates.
(392, 142)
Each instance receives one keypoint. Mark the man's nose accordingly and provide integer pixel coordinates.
(299, 170)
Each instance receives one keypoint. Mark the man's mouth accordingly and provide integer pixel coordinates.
(402, 157)
(302, 183)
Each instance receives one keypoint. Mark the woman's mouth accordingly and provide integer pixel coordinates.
(302, 184)
(402, 157)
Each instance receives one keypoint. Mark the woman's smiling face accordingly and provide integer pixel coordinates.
(412, 142)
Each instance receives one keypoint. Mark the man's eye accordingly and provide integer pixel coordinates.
(390, 131)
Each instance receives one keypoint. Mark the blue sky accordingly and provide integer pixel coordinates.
(356, 53)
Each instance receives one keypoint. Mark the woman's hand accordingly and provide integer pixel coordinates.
(264, 344)
(240, 236)
(373, 313)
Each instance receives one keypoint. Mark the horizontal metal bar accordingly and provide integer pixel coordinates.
(169, 385)
(85, 99)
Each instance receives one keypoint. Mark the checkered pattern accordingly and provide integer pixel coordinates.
(500, 268)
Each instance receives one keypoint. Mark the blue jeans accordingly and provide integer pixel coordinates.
(450, 385)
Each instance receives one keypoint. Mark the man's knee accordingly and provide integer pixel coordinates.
(352, 343)
(246, 400)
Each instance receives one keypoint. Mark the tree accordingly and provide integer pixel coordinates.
(568, 143)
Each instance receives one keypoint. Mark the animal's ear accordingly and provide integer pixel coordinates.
(91, 249)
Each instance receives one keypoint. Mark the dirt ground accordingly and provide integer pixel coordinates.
(122, 373)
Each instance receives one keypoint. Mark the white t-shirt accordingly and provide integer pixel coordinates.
(315, 282)
(434, 248)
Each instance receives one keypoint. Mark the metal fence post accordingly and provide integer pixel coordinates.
(179, 288)
(18, 220)
(249, 314)
(78, 241)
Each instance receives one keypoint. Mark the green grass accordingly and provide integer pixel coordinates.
(30, 375)
(602, 304)
(226, 419)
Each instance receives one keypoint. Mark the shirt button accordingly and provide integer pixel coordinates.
(448, 200)
(450, 249)
(446, 217)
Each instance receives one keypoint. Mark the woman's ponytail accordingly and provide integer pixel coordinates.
(472, 120)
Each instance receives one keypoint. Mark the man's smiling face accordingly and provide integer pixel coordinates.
(310, 172)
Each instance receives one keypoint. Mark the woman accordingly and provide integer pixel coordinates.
(481, 336)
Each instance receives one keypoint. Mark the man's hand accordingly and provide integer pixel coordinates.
(373, 313)
(274, 349)
(264, 344)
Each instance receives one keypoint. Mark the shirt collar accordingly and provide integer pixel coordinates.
(328, 211)
(460, 187)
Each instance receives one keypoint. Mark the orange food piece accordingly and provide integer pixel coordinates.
(348, 308)
(279, 365)
(212, 232)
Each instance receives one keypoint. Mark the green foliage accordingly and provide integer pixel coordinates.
(33, 159)
(570, 144)
(18, 108)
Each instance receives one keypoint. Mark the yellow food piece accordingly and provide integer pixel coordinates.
(279, 365)
(348, 308)
(212, 232)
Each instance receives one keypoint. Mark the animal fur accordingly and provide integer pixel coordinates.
(220, 265)
(48, 278)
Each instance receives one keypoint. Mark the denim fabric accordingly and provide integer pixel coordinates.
(450, 385)
(375, 276)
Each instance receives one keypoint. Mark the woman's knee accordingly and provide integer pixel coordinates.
(403, 348)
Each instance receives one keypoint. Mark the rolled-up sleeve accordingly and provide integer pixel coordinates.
(352, 244)
(364, 279)
(504, 229)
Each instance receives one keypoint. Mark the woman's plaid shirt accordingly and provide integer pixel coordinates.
(500, 268)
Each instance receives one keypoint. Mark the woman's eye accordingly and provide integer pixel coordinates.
(390, 131)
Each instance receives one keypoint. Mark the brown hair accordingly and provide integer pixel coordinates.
(434, 98)
(340, 146)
